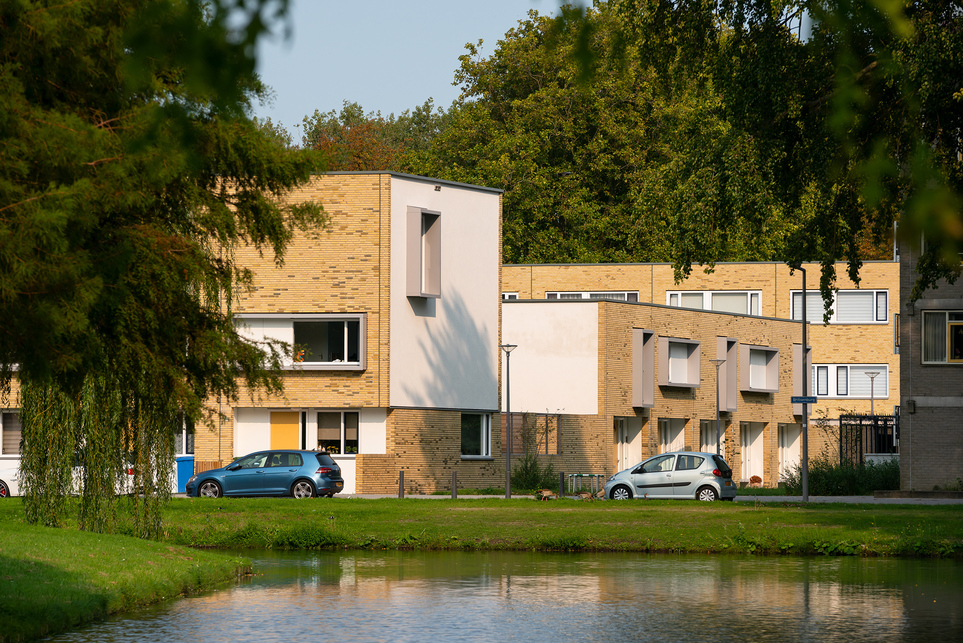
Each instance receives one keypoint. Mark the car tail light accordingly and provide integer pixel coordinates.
(324, 470)
(717, 473)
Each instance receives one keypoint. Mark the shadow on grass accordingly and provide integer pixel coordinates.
(37, 599)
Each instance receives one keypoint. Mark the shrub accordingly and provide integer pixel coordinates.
(828, 478)
(530, 475)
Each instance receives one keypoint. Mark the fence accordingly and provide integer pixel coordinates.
(862, 434)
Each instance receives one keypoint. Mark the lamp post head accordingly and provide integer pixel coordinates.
(717, 362)
(508, 348)
(872, 374)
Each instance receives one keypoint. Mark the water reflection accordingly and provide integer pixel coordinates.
(453, 596)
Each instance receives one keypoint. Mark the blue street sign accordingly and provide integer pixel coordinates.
(799, 399)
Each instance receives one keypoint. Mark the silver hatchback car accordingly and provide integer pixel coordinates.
(680, 474)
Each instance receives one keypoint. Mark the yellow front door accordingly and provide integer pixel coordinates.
(285, 430)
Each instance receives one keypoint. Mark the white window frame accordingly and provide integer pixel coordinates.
(753, 299)
(603, 295)
(880, 306)
(259, 328)
(485, 436)
(186, 439)
(509, 295)
(831, 375)
(343, 440)
(3, 418)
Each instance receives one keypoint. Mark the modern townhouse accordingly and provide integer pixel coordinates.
(392, 316)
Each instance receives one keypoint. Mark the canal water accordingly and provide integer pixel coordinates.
(499, 596)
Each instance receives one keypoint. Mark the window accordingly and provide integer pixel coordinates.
(760, 369)
(655, 465)
(724, 301)
(678, 362)
(509, 295)
(184, 439)
(689, 462)
(338, 431)
(851, 380)
(476, 435)
(672, 435)
(707, 436)
(643, 368)
(727, 348)
(849, 307)
(316, 341)
(327, 342)
(943, 337)
(618, 295)
(423, 270)
(10, 432)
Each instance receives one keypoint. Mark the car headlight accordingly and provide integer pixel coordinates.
(192, 479)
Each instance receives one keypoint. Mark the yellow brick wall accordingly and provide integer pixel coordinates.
(341, 269)
(426, 445)
(837, 343)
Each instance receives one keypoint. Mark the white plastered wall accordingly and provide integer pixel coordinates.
(555, 367)
(252, 432)
(444, 351)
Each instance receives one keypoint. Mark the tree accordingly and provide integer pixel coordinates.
(130, 171)
(353, 140)
(702, 131)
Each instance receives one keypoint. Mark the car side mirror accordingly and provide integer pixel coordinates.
(233, 467)
(637, 470)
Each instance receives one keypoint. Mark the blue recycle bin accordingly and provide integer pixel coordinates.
(185, 469)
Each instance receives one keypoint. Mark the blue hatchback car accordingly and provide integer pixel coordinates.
(302, 474)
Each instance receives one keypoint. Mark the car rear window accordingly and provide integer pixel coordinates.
(723, 467)
(324, 458)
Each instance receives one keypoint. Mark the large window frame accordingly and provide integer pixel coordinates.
(604, 295)
(844, 307)
(712, 300)
(839, 381)
(476, 436)
(304, 355)
(942, 337)
(759, 371)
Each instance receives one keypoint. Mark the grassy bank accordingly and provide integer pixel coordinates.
(52, 580)
(569, 525)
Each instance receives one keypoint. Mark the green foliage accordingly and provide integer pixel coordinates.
(353, 140)
(530, 475)
(696, 132)
(130, 174)
(831, 478)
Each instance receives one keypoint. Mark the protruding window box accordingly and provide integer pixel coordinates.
(759, 372)
(679, 362)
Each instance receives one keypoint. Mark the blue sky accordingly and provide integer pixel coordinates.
(386, 55)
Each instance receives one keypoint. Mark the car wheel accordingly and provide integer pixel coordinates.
(4, 490)
(620, 492)
(302, 489)
(209, 489)
(707, 494)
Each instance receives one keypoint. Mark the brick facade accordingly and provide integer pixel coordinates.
(931, 441)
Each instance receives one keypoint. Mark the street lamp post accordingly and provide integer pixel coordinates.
(717, 363)
(508, 348)
(872, 380)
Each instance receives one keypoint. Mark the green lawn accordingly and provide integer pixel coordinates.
(54, 579)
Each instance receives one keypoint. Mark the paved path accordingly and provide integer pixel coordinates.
(870, 500)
